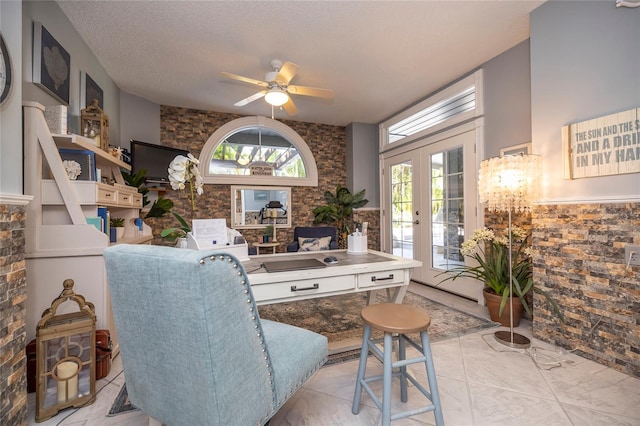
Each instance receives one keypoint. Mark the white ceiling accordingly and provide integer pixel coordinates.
(378, 57)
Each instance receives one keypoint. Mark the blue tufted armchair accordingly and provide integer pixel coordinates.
(193, 347)
(312, 232)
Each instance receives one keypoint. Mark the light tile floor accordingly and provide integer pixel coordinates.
(480, 382)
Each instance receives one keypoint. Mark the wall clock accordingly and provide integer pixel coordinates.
(5, 71)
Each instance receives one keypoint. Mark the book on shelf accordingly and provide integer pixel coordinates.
(96, 221)
(86, 159)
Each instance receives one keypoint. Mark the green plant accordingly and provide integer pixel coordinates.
(137, 181)
(490, 254)
(160, 207)
(116, 222)
(339, 207)
(171, 234)
(268, 231)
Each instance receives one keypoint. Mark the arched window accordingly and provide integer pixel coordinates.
(257, 151)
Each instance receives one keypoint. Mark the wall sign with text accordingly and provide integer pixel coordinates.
(604, 146)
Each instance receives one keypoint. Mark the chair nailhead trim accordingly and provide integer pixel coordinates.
(202, 261)
(213, 258)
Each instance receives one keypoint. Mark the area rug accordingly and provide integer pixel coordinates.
(121, 404)
(338, 318)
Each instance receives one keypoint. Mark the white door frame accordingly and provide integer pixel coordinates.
(419, 153)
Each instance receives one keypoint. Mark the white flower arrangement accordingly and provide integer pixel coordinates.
(72, 168)
(182, 170)
(185, 169)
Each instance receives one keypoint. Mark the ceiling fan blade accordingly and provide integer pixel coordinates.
(310, 91)
(244, 79)
(290, 107)
(287, 72)
(251, 98)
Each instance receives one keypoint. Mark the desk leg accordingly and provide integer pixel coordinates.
(396, 294)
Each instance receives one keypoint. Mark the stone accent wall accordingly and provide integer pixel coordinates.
(579, 261)
(13, 293)
(190, 129)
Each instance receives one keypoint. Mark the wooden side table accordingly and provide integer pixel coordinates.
(272, 246)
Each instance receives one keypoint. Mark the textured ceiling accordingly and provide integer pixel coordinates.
(378, 57)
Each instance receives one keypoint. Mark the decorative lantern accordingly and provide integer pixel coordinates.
(65, 355)
(95, 125)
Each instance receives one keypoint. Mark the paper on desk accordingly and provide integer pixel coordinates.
(214, 230)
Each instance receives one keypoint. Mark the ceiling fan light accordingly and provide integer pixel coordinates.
(276, 97)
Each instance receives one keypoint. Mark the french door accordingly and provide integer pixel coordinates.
(430, 204)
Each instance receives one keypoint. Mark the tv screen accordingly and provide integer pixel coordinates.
(155, 159)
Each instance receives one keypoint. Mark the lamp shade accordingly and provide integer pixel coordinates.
(510, 182)
(276, 97)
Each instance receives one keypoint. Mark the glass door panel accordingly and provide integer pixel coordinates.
(402, 209)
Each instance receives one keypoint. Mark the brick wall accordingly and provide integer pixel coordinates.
(579, 260)
(13, 293)
(190, 129)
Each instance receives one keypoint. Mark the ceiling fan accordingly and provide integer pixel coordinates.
(276, 88)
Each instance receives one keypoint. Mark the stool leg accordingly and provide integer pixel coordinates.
(386, 379)
(364, 353)
(431, 377)
(402, 355)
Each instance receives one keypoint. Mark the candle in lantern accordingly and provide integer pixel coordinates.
(68, 380)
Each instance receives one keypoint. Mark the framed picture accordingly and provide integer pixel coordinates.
(523, 149)
(259, 195)
(89, 90)
(51, 64)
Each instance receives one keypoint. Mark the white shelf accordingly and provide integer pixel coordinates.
(80, 142)
(59, 242)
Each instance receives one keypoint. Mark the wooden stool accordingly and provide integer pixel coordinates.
(393, 318)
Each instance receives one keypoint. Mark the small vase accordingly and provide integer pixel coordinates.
(181, 243)
(119, 232)
(493, 306)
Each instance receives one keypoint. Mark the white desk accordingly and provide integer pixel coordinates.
(353, 273)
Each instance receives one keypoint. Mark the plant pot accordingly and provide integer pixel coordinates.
(181, 243)
(119, 232)
(493, 305)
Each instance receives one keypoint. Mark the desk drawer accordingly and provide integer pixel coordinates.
(107, 195)
(382, 278)
(303, 288)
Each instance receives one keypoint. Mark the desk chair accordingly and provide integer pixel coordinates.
(313, 232)
(193, 347)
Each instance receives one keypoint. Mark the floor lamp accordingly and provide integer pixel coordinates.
(505, 184)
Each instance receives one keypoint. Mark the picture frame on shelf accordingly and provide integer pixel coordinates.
(89, 90)
(522, 149)
(51, 64)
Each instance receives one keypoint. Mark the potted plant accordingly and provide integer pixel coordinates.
(490, 256)
(338, 209)
(118, 224)
(268, 234)
(183, 171)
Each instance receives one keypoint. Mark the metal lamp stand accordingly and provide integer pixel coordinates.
(509, 338)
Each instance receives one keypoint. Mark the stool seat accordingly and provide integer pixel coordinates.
(396, 321)
(396, 318)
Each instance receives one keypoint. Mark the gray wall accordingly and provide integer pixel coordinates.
(11, 109)
(82, 59)
(140, 120)
(507, 100)
(585, 63)
(362, 161)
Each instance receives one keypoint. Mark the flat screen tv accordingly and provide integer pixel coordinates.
(155, 159)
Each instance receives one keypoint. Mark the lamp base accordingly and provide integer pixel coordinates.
(519, 341)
